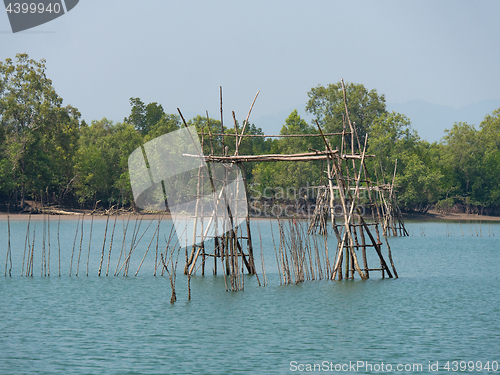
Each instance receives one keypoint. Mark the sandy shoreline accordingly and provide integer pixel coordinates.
(432, 215)
(76, 215)
(72, 215)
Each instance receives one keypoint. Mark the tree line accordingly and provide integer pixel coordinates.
(48, 154)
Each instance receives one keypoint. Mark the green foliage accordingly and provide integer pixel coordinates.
(461, 154)
(395, 143)
(461, 159)
(166, 124)
(144, 117)
(46, 152)
(38, 136)
(327, 105)
(445, 205)
(391, 134)
(489, 137)
(418, 183)
(101, 162)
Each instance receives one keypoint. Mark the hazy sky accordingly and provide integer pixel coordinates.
(178, 53)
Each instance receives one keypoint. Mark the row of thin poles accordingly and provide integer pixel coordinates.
(78, 249)
(473, 229)
(166, 260)
(298, 254)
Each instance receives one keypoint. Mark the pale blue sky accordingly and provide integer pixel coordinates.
(178, 53)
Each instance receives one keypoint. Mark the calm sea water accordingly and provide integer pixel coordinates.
(443, 308)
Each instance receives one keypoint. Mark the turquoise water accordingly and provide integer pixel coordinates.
(443, 308)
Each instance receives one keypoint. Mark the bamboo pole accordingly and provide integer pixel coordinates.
(251, 262)
(196, 214)
(353, 128)
(90, 242)
(330, 184)
(134, 243)
(74, 244)
(264, 275)
(342, 144)
(26, 243)
(59, 244)
(363, 249)
(172, 231)
(156, 233)
(125, 228)
(276, 252)
(246, 122)
(111, 245)
(9, 255)
(48, 243)
(202, 193)
(236, 134)
(209, 135)
(308, 156)
(80, 249)
(390, 258)
(32, 252)
(272, 135)
(137, 242)
(221, 120)
(356, 243)
(103, 246)
(318, 265)
(224, 259)
(44, 261)
(171, 274)
(310, 254)
(377, 247)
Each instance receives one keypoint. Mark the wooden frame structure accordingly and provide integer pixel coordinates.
(347, 177)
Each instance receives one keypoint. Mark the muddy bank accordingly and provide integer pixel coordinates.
(435, 215)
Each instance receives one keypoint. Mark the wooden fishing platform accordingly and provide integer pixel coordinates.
(347, 175)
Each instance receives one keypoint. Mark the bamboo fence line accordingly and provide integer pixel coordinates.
(300, 257)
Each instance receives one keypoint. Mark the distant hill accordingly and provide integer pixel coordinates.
(430, 120)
